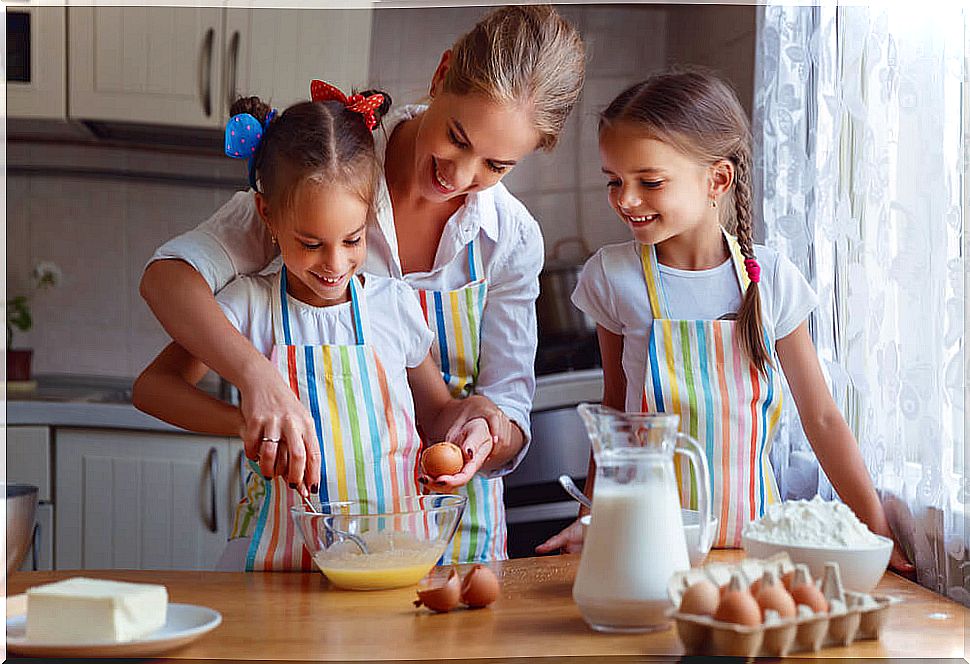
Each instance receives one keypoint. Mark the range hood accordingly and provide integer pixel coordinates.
(190, 139)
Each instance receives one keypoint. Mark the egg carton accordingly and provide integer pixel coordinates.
(855, 616)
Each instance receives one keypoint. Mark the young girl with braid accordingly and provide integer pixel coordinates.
(693, 317)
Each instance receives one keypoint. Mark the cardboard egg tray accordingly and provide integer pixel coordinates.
(702, 635)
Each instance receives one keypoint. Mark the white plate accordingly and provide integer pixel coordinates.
(183, 624)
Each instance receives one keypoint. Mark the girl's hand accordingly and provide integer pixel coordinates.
(274, 419)
(900, 564)
(569, 540)
(478, 406)
(475, 440)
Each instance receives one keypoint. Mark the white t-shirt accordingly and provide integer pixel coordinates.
(397, 329)
(234, 241)
(613, 291)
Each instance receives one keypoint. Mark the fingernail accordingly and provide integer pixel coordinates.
(293, 485)
(315, 488)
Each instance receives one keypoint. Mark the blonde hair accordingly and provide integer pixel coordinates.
(700, 115)
(522, 54)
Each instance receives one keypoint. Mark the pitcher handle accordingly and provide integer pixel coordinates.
(695, 455)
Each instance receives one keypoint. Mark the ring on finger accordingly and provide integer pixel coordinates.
(264, 439)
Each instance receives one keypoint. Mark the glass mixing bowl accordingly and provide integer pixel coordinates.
(359, 547)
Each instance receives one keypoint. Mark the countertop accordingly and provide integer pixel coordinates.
(96, 402)
(282, 616)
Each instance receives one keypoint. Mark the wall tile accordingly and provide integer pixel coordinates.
(600, 225)
(556, 214)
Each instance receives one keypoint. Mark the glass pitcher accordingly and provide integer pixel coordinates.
(635, 539)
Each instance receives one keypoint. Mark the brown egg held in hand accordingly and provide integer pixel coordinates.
(443, 598)
(480, 587)
(442, 459)
(700, 599)
(737, 605)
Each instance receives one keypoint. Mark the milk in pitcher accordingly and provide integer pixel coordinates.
(634, 543)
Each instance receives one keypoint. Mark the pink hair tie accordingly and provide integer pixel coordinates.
(753, 269)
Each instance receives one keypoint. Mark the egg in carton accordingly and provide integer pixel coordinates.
(847, 616)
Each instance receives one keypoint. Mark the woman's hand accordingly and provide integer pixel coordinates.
(506, 438)
(274, 419)
(568, 540)
(475, 440)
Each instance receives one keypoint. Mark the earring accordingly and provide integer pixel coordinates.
(273, 239)
(714, 203)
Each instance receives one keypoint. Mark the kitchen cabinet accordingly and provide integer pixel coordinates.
(275, 53)
(36, 62)
(146, 64)
(185, 65)
(141, 500)
(29, 453)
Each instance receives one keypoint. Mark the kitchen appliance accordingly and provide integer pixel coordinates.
(21, 506)
(558, 318)
(635, 518)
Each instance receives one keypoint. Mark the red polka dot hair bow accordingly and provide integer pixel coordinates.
(358, 103)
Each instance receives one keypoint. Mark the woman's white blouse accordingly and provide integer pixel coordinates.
(234, 242)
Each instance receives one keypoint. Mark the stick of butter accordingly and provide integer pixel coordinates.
(81, 610)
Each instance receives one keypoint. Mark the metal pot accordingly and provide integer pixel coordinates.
(557, 317)
(21, 505)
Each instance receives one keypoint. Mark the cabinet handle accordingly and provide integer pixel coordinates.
(213, 473)
(232, 65)
(205, 78)
(35, 548)
(242, 473)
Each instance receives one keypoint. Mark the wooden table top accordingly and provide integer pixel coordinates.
(283, 616)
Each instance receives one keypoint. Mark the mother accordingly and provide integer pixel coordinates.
(445, 225)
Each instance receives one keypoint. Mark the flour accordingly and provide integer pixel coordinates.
(814, 522)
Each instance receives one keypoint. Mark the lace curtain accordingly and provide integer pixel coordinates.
(861, 126)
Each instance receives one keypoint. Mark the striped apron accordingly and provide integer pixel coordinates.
(696, 369)
(368, 441)
(455, 317)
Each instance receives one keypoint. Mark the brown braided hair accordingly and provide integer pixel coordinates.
(699, 114)
(314, 142)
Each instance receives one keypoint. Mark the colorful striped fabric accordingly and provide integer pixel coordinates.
(696, 369)
(368, 442)
(455, 317)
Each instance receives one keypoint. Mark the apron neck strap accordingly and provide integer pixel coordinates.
(651, 272)
(655, 288)
(281, 313)
(476, 269)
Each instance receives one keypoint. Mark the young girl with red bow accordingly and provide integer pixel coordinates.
(693, 318)
(352, 348)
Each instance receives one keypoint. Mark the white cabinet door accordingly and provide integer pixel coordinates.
(274, 53)
(40, 555)
(147, 64)
(29, 459)
(140, 500)
(42, 63)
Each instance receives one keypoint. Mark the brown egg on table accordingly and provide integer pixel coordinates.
(700, 599)
(441, 598)
(442, 459)
(480, 587)
(738, 605)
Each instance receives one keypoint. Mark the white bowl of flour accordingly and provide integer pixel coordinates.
(814, 532)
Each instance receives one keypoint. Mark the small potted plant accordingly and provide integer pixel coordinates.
(44, 275)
